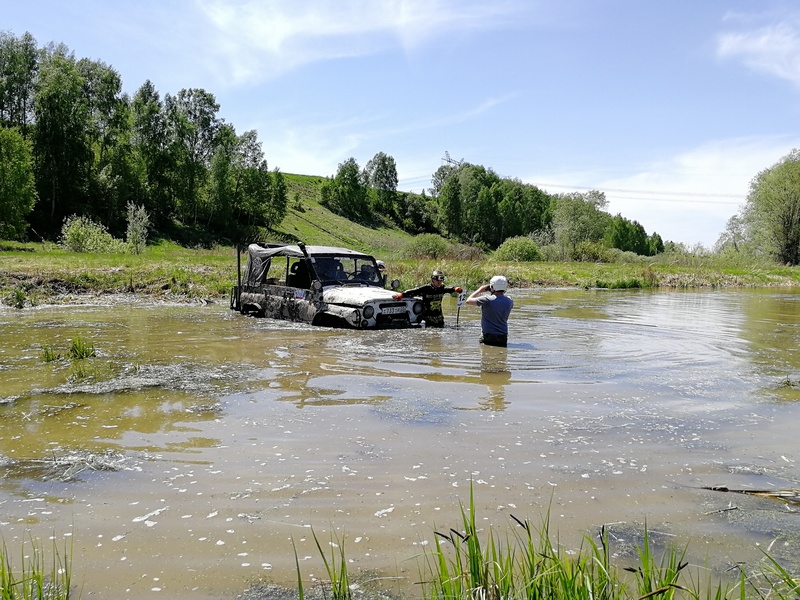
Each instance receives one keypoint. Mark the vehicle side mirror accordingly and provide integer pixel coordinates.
(395, 284)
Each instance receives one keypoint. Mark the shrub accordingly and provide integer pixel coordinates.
(465, 252)
(591, 252)
(138, 222)
(427, 245)
(518, 249)
(81, 234)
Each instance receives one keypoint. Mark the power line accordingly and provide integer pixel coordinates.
(648, 192)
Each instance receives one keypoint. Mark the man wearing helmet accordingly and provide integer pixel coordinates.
(431, 295)
(495, 309)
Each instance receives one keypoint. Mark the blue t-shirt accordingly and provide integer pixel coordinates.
(494, 313)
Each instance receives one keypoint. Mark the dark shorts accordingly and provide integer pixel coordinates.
(434, 320)
(494, 339)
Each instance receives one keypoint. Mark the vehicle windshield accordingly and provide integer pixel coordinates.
(333, 270)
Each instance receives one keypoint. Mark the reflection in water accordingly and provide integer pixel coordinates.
(495, 374)
(234, 435)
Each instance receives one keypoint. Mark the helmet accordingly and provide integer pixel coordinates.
(381, 265)
(437, 275)
(498, 283)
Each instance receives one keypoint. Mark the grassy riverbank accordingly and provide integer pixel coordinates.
(32, 274)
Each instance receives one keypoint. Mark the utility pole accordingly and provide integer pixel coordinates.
(450, 161)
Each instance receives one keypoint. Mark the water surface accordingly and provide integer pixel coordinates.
(187, 455)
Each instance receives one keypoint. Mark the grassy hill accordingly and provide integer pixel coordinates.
(309, 222)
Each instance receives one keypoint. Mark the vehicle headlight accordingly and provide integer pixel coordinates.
(369, 312)
(417, 308)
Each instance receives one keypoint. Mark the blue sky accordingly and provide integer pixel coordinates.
(670, 108)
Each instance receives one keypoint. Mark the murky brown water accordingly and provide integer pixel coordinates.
(183, 459)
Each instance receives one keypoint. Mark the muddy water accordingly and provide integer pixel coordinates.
(186, 456)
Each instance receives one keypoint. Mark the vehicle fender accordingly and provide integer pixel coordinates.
(349, 315)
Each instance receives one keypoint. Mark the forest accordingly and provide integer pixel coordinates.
(75, 148)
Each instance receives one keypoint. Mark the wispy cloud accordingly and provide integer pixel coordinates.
(773, 49)
(324, 144)
(262, 40)
(689, 196)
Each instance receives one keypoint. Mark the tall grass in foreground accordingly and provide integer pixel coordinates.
(338, 583)
(529, 566)
(34, 580)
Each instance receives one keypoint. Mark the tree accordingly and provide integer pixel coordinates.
(579, 217)
(450, 208)
(440, 176)
(60, 142)
(346, 193)
(17, 184)
(192, 129)
(19, 67)
(655, 244)
(152, 158)
(112, 183)
(381, 173)
(627, 235)
(772, 209)
(417, 213)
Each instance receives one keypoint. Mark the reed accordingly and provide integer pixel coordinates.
(336, 567)
(530, 566)
(35, 580)
(80, 349)
(338, 583)
(49, 354)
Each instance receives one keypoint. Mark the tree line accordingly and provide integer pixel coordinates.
(72, 143)
(474, 205)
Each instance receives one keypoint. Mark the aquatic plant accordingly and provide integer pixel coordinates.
(49, 353)
(18, 298)
(338, 583)
(530, 565)
(80, 372)
(80, 349)
(34, 580)
(619, 284)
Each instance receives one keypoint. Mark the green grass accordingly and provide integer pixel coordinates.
(314, 224)
(34, 579)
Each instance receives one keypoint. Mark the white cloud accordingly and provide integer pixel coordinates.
(773, 49)
(262, 40)
(688, 197)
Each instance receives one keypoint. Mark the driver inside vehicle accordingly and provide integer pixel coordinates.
(368, 273)
(330, 269)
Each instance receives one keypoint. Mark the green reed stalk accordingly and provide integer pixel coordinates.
(300, 591)
(49, 354)
(80, 349)
(32, 582)
(336, 568)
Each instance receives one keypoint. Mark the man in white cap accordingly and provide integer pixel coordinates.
(495, 309)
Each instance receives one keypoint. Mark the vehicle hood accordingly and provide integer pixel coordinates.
(356, 296)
